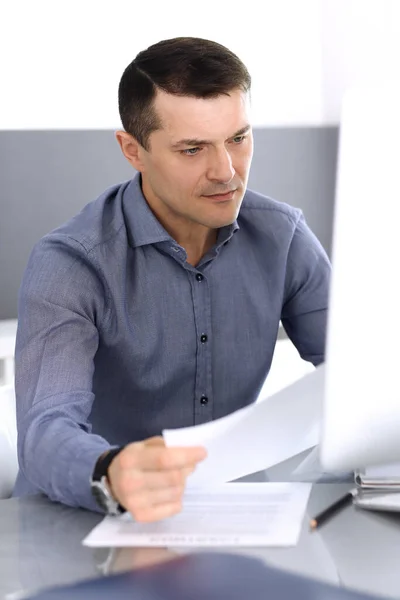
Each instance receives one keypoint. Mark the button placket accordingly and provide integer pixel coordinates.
(203, 408)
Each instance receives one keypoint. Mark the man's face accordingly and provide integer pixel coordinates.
(197, 166)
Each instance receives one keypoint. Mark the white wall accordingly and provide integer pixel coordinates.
(62, 61)
(64, 65)
(360, 41)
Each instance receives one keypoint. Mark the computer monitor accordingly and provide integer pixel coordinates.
(361, 406)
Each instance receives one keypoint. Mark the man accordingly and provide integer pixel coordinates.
(158, 305)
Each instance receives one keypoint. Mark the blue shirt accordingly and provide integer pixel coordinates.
(119, 337)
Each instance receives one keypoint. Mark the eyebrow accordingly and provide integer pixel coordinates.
(197, 142)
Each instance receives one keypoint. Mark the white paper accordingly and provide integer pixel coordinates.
(258, 436)
(231, 514)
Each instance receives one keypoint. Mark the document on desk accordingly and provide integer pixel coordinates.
(231, 514)
(258, 436)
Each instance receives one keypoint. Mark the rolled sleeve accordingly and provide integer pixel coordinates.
(61, 302)
(305, 307)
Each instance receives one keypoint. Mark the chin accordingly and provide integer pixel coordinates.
(220, 214)
(227, 216)
(220, 221)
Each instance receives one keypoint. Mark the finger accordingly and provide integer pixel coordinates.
(159, 479)
(188, 470)
(157, 440)
(148, 498)
(163, 459)
(135, 481)
(157, 513)
(167, 478)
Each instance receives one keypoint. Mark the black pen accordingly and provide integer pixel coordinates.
(332, 509)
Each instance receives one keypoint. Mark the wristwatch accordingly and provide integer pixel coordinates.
(100, 486)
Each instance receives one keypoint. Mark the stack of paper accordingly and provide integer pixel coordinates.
(379, 487)
(379, 477)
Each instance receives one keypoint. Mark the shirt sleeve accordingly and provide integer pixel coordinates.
(62, 299)
(305, 306)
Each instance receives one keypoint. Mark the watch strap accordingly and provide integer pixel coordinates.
(103, 463)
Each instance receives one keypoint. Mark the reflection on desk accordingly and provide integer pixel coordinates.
(42, 543)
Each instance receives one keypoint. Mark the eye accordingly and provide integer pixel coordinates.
(239, 139)
(191, 151)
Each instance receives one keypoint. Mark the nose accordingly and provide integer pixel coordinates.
(220, 168)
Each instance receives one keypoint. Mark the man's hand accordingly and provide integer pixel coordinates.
(148, 479)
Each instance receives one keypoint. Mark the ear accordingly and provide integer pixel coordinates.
(131, 149)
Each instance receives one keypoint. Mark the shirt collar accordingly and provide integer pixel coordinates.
(143, 226)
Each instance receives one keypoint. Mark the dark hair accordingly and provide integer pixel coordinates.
(184, 66)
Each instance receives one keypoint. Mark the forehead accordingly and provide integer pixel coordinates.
(210, 118)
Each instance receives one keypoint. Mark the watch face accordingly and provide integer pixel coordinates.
(99, 494)
(104, 498)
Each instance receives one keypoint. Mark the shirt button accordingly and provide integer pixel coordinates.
(204, 400)
(199, 277)
(203, 338)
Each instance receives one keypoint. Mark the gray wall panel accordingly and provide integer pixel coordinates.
(298, 166)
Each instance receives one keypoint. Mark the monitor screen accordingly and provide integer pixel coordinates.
(361, 413)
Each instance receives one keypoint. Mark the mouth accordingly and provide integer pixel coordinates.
(221, 197)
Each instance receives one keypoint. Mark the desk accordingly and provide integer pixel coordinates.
(40, 546)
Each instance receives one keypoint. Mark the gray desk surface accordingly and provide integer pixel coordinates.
(40, 546)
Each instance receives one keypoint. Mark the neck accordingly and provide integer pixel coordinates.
(195, 238)
(197, 246)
